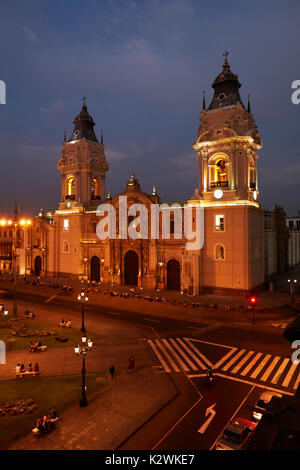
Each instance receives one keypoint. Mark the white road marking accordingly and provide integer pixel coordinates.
(167, 356)
(251, 364)
(50, 298)
(192, 354)
(183, 365)
(260, 367)
(242, 362)
(289, 375)
(234, 359)
(154, 321)
(158, 355)
(207, 342)
(270, 368)
(280, 370)
(192, 365)
(210, 410)
(297, 382)
(204, 358)
(223, 359)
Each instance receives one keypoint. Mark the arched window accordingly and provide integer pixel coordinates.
(95, 189)
(70, 193)
(251, 174)
(220, 252)
(219, 167)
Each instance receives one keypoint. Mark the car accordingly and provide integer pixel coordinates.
(236, 434)
(262, 403)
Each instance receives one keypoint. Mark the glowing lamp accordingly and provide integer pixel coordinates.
(90, 343)
(77, 349)
(83, 339)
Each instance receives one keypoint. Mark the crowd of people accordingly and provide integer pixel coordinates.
(66, 323)
(34, 347)
(45, 423)
(20, 369)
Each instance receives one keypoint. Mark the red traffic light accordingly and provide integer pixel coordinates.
(253, 300)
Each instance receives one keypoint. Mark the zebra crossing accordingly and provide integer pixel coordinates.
(186, 355)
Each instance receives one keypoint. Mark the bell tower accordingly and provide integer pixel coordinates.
(82, 166)
(227, 144)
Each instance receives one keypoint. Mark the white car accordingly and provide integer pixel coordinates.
(236, 435)
(262, 403)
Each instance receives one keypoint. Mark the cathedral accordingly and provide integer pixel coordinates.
(231, 260)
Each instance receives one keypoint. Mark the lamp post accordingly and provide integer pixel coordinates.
(83, 298)
(292, 283)
(82, 351)
(253, 301)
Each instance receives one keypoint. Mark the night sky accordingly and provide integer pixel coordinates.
(142, 66)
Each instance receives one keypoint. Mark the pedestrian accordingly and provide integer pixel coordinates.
(36, 368)
(18, 370)
(22, 369)
(132, 363)
(129, 365)
(30, 369)
(112, 371)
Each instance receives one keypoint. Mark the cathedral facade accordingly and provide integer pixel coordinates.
(231, 260)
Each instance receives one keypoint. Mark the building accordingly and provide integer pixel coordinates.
(232, 259)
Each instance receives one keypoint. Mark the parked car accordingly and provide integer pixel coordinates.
(236, 435)
(262, 403)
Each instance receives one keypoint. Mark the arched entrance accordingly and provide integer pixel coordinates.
(131, 268)
(173, 275)
(95, 269)
(37, 265)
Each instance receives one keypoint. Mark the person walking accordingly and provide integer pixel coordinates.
(112, 371)
(22, 369)
(30, 368)
(36, 369)
(132, 363)
(18, 370)
(129, 368)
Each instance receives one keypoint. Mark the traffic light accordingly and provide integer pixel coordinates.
(253, 300)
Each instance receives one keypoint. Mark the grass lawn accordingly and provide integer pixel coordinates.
(14, 343)
(60, 392)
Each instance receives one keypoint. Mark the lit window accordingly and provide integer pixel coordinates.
(219, 223)
(66, 225)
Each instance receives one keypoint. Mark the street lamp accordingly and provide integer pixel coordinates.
(292, 283)
(82, 351)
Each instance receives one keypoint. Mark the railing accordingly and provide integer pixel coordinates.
(71, 197)
(219, 184)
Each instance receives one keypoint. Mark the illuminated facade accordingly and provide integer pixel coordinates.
(232, 259)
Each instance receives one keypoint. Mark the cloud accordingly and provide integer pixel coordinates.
(115, 154)
(30, 33)
(53, 107)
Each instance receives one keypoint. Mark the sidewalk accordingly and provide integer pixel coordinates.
(276, 305)
(111, 415)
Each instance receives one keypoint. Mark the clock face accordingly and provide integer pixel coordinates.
(68, 204)
(218, 193)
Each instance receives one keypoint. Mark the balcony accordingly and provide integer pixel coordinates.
(219, 184)
(70, 197)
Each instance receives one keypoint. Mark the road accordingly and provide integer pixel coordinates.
(246, 362)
